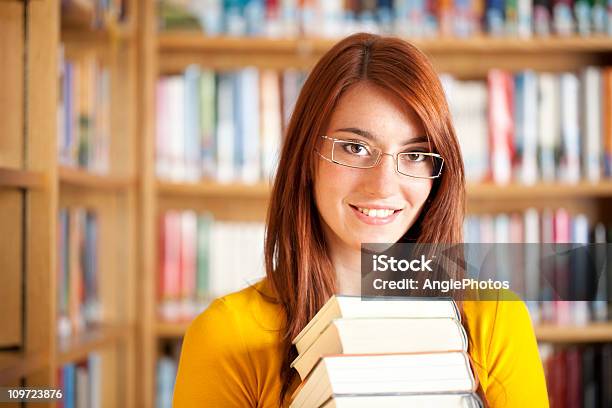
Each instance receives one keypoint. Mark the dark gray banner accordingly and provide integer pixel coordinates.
(529, 272)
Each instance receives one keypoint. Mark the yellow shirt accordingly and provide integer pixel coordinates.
(231, 354)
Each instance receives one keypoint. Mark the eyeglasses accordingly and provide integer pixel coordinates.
(352, 153)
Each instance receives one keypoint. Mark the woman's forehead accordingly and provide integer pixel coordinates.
(375, 113)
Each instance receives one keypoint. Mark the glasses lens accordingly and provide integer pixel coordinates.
(417, 164)
(354, 154)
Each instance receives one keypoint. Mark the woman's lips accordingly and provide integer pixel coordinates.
(374, 220)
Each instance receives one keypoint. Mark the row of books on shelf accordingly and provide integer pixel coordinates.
(80, 383)
(582, 294)
(578, 376)
(528, 127)
(524, 127)
(84, 112)
(78, 301)
(200, 257)
(197, 261)
(415, 18)
(225, 126)
(96, 14)
(532, 226)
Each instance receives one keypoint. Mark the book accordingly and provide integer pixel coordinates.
(395, 374)
(592, 136)
(501, 125)
(78, 297)
(402, 401)
(383, 335)
(356, 307)
(569, 166)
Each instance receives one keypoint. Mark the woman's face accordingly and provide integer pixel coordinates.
(375, 205)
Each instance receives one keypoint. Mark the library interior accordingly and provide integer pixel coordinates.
(139, 140)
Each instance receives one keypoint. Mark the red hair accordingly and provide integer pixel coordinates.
(298, 267)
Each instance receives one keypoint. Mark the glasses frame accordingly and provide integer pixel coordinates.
(394, 156)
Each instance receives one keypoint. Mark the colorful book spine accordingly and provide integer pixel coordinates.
(84, 116)
(79, 304)
(81, 383)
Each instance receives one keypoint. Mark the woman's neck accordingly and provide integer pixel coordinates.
(347, 264)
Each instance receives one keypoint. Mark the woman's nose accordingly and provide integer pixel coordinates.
(382, 179)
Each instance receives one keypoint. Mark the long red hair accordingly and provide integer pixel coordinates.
(298, 267)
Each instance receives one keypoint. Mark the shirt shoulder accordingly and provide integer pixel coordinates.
(504, 352)
(230, 353)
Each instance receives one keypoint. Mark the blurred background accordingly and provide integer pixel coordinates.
(138, 141)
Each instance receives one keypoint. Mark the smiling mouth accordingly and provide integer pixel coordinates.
(376, 212)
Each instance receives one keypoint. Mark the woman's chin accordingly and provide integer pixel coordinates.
(376, 239)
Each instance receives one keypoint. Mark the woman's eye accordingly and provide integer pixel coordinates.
(357, 149)
(415, 157)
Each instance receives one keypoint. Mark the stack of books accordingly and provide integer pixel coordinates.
(387, 352)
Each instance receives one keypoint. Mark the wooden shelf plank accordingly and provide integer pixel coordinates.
(470, 58)
(170, 329)
(14, 366)
(78, 12)
(21, 178)
(77, 24)
(592, 333)
(70, 177)
(541, 190)
(214, 189)
(77, 347)
(474, 191)
(195, 41)
(113, 33)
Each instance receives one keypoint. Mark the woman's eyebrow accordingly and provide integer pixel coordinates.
(373, 137)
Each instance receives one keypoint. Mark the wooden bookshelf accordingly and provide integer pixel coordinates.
(24, 179)
(114, 34)
(194, 41)
(591, 333)
(214, 189)
(582, 190)
(76, 348)
(483, 191)
(171, 330)
(33, 187)
(28, 190)
(78, 178)
(112, 195)
(172, 52)
(471, 57)
(14, 366)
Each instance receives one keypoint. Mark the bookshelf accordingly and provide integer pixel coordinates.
(28, 194)
(35, 185)
(484, 191)
(21, 178)
(593, 333)
(128, 198)
(465, 58)
(171, 52)
(111, 194)
(75, 178)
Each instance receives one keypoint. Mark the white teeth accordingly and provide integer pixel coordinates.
(376, 212)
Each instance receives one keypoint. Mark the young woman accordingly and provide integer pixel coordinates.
(370, 155)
